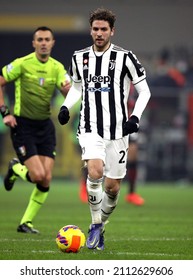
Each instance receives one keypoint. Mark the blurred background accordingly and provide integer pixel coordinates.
(159, 33)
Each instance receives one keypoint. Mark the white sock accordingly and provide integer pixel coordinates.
(94, 189)
(109, 203)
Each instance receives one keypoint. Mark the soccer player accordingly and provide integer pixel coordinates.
(131, 176)
(101, 75)
(36, 76)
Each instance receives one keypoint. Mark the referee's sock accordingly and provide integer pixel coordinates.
(37, 199)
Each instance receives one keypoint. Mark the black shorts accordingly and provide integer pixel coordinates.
(33, 137)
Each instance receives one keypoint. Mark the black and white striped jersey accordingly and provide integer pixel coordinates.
(105, 81)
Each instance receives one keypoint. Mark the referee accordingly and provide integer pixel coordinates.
(102, 75)
(36, 76)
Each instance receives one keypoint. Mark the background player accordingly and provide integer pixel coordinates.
(131, 176)
(132, 161)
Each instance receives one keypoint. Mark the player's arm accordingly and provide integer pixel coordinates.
(132, 125)
(72, 98)
(8, 119)
(144, 95)
(73, 95)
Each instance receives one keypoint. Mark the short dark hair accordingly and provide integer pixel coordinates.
(103, 14)
(43, 28)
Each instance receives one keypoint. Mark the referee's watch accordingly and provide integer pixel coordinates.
(4, 110)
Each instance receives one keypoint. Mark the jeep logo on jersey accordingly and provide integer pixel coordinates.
(98, 79)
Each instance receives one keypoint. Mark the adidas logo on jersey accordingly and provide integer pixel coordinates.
(85, 67)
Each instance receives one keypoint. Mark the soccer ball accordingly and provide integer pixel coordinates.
(70, 238)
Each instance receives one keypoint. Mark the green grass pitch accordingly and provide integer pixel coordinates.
(162, 229)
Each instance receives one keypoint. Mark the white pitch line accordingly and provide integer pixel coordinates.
(153, 239)
(26, 240)
(106, 252)
(113, 240)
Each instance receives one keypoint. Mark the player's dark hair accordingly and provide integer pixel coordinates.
(43, 28)
(103, 14)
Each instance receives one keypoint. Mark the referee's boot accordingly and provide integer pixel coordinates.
(10, 177)
(27, 228)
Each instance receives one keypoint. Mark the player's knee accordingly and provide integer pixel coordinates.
(95, 174)
(95, 169)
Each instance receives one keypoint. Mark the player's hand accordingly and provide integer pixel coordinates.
(63, 115)
(132, 125)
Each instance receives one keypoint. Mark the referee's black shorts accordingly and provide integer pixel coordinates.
(33, 137)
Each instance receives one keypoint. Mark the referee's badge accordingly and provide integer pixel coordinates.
(85, 67)
(41, 81)
(22, 150)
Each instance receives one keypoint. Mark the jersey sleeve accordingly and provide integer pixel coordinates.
(74, 72)
(12, 71)
(136, 70)
(62, 76)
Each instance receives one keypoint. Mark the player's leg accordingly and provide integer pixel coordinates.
(132, 162)
(83, 190)
(110, 197)
(94, 154)
(115, 170)
(94, 189)
(82, 187)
